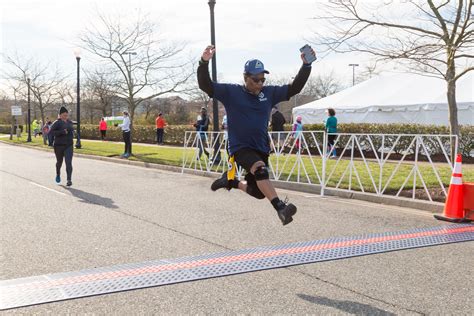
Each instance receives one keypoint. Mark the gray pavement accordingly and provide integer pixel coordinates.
(121, 214)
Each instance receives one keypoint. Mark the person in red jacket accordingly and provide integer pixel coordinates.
(103, 128)
(160, 128)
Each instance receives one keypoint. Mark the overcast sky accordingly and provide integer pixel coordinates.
(271, 30)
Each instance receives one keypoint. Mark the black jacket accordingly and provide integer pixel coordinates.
(202, 125)
(278, 121)
(63, 133)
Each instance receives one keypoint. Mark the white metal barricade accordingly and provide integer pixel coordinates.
(385, 159)
(409, 165)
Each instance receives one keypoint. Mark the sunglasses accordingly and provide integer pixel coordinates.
(257, 80)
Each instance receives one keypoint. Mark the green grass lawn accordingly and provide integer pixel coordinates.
(160, 155)
(287, 166)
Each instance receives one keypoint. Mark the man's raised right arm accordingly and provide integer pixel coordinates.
(204, 79)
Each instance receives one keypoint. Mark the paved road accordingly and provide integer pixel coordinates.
(120, 214)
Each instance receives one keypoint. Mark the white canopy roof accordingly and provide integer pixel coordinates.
(394, 98)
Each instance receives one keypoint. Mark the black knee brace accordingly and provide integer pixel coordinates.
(261, 173)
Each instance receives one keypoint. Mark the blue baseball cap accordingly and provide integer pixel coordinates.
(254, 67)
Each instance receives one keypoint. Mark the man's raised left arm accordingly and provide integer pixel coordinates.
(301, 78)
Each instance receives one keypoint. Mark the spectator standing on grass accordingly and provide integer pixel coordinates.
(103, 129)
(225, 126)
(125, 126)
(202, 126)
(50, 135)
(63, 131)
(278, 125)
(45, 130)
(35, 127)
(298, 131)
(40, 128)
(160, 128)
(331, 129)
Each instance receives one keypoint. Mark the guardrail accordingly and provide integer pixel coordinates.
(416, 166)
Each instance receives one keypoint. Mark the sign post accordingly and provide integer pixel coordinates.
(16, 111)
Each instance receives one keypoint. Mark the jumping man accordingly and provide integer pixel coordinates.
(248, 109)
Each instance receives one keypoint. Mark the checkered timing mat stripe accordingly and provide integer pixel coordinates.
(63, 286)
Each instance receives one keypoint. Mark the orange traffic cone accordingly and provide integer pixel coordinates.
(453, 208)
(468, 190)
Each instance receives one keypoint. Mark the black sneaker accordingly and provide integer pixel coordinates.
(69, 183)
(286, 212)
(221, 183)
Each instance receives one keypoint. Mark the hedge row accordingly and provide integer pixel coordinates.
(174, 134)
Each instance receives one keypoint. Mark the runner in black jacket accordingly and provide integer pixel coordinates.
(63, 133)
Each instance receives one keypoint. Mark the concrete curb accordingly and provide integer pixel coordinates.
(433, 207)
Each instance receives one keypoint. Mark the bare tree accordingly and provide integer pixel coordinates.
(317, 87)
(67, 95)
(101, 85)
(90, 106)
(321, 86)
(44, 83)
(15, 88)
(148, 107)
(147, 66)
(202, 98)
(367, 72)
(430, 37)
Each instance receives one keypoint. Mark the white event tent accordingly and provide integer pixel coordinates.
(394, 98)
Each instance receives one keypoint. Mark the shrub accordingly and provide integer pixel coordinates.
(466, 138)
(5, 128)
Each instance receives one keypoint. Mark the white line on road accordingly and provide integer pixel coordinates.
(49, 189)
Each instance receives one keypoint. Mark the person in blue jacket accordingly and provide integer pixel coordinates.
(248, 109)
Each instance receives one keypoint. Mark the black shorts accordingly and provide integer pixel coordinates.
(331, 139)
(247, 157)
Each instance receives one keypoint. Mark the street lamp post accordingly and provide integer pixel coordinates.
(296, 96)
(29, 112)
(353, 72)
(77, 53)
(215, 108)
